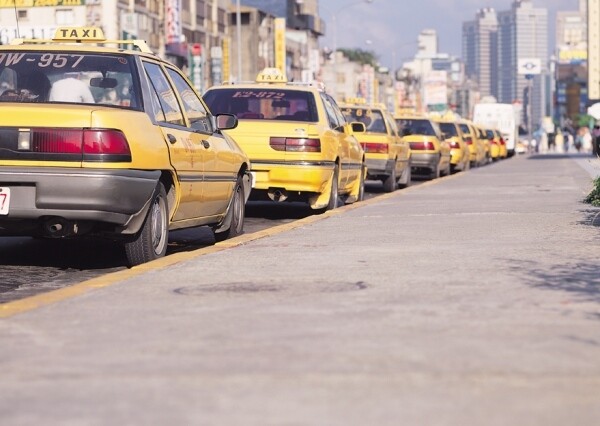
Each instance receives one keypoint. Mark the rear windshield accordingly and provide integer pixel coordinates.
(465, 129)
(263, 104)
(416, 127)
(490, 134)
(68, 78)
(372, 118)
(449, 129)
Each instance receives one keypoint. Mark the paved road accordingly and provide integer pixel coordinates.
(472, 300)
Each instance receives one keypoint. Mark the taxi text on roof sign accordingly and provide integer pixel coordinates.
(271, 75)
(79, 34)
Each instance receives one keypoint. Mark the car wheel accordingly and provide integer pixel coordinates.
(235, 215)
(406, 178)
(334, 196)
(447, 169)
(361, 188)
(150, 242)
(390, 183)
(435, 171)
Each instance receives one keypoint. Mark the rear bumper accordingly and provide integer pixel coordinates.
(300, 176)
(110, 196)
(422, 160)
(379, 167)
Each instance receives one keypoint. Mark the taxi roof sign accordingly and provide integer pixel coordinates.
(356, 101)
(79, 34)
(271, 75)
(82, 35)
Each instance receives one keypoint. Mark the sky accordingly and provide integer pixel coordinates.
(390, 27)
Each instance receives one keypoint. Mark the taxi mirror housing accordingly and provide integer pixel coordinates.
(226, 121)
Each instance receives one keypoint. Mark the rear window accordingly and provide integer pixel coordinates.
(263, 104)
(372, 118)
(71, 77)
(465, 129)
(490, 134)
(416, 127)
(449, 129)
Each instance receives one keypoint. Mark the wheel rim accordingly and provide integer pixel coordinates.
(159, 225)
(238, 206)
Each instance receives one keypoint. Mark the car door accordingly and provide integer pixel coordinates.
(212, 149)
(185, 149)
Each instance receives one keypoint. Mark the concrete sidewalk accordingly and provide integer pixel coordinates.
(473, 300)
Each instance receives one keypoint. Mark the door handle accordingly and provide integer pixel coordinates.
(205, 144)
(171, 138)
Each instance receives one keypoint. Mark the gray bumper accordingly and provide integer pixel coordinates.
(110, 196)
(377, 168)
(429, 161)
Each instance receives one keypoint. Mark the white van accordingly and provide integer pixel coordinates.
(502, 117)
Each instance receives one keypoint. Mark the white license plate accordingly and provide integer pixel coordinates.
(4, 200)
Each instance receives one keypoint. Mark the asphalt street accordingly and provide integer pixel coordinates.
(470, 300)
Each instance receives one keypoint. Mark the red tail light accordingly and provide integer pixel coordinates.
(105, 145)
(422, 146)
(375, 148)
(502, 142)
(295, 144)
(454, 144)
(469, 141)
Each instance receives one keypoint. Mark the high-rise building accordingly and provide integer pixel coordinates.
(480, 51)
(523, 34)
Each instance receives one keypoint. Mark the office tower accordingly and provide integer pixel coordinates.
(480, 51)
(523, 34)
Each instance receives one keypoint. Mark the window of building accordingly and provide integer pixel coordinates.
(64, 17)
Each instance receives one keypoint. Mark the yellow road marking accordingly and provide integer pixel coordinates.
(10, 309)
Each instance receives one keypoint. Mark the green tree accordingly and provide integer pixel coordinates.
(361, 56)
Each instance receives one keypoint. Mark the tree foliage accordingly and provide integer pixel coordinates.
(361, 56)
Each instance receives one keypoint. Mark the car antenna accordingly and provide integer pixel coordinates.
(17, 18)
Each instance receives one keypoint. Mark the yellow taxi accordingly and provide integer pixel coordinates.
(494, 139)
(487, 144)
(430, 153)
(476, 145)
(387, 155)
(503, 151)
(300, 145)
(104, 141)
(459, 150)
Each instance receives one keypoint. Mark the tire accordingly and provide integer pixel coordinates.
(390, 183)
(448, 169)
(334, 196)
(236, 214)
(435, 172)
(406, 177)
(361, 188)
(151, 241)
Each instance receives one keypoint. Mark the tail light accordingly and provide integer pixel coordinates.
(469, 141)
(375, 148)
(422, 146)
(295, 144)
(97, 145)
(502, 142)
(453, 144)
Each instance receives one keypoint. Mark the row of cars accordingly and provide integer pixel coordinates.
(132, 151)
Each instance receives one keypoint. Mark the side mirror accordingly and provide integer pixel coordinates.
(358, 127)
(226, 121)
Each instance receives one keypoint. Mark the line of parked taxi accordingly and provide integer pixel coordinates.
(305, 146)
(131, 151)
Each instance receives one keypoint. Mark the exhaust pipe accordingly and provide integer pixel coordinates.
(56, 227)
(277, 194)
